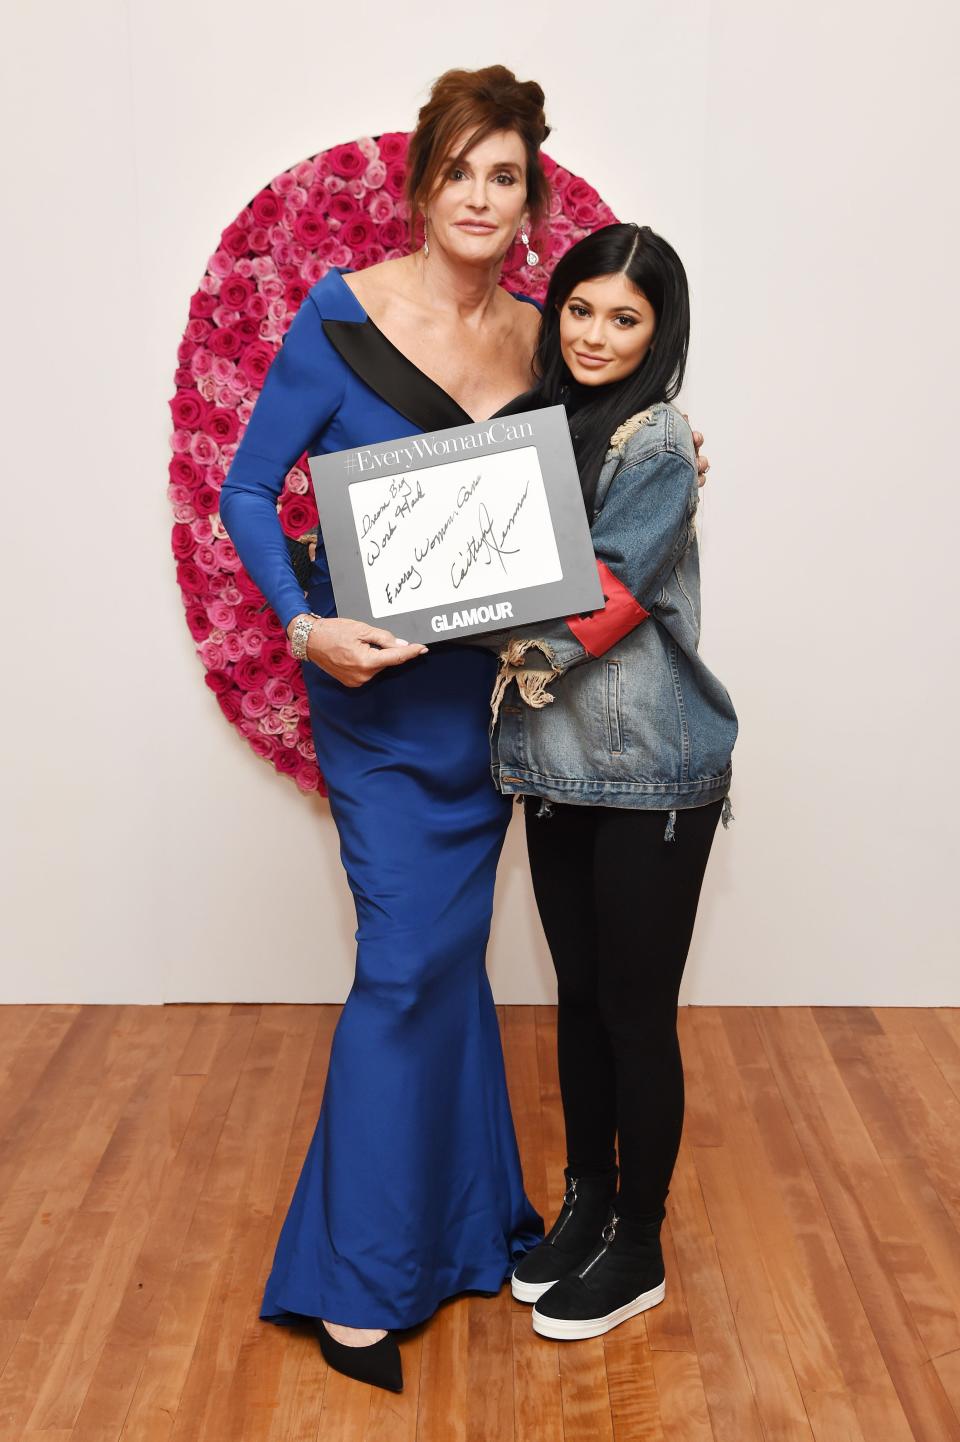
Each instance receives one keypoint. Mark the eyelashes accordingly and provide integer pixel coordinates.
(582, 313)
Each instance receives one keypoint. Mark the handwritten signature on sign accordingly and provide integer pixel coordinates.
(466, 536)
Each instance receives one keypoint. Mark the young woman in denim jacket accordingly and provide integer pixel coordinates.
(615, 723)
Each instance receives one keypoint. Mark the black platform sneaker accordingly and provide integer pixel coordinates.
(621, 1277)
(571, 1239)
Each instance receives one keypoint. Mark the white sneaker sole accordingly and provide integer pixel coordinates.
(529, 1291)
(564, 1331)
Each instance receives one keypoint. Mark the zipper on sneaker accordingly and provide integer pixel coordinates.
(569, 1200)
(608, 1234)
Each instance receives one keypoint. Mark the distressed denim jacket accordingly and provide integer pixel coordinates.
(616, 708)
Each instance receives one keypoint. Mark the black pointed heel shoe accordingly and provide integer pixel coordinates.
(378, 1365)
(571, 1239)
(621, 1277)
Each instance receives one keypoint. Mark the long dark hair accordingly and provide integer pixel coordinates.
(595, 412)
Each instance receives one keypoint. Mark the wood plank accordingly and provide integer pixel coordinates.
(583, 1384)
(682, 1402)
(634, 1400)
(537, 1403)
(855, 1188)
(726, 1382)
(490, 1401)
(444, 1372)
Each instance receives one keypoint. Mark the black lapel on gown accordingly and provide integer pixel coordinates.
(386, 370)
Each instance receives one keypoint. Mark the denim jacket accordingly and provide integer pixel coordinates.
(616, 708)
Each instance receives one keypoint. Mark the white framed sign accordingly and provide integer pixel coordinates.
(463, 530)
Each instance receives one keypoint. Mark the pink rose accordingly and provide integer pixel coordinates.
(230, 594)
(381, 208)
(202, 449)
(333, 183)
(278, 691)
(296, 197)
(220, 263)
(289, 739)
(253, 704)
(297, 482)
(374, 175)
(206, 558)
(258, 239)
(221, 615)
(346, 160)
(211, 655)
(200, 362)
(227, 558)
(283, 183)
(367, 147)
(305, 172)
(226, 399)
(307, 777)
(271, 724)
(233, 646)
(200, 530)
(210, 284)
(180, 441)
(184, 513)
(340, 255)
(244, 412)
(266, 207)
(253, 642)
(198, 330)
(314, 269)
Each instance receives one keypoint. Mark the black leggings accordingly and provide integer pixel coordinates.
(618, 903)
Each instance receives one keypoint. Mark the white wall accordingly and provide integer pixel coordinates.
(802, 161)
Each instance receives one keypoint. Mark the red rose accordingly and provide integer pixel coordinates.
(249, 673)
(347, 160)
(271, 624)
(342, 207)
(191, 578)
(184, 472)
(585, 214)
(255, 362)
(358, 232)
(287, 761)
(202, 304)
(258, 239)
(185, 350)
(183, 377)
(247, 329)
(394, 183)
(392, 234)
(205, 500)
(248, 588)
(225, 342)
(218, 681)
(223, 426)
(297, 515)
(235, 240)
(277, 660)
(188, 410)
(261, 745)
(266, 208)
(310, 228)
(228, 704)
(184, 543)
(393, 146)
(295, 294)
(579, 192)
(235, 292)
(199, 623)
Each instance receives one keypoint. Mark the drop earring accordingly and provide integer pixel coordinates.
(532, 257)
(426, 243)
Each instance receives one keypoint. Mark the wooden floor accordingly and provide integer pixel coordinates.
(813, 1259)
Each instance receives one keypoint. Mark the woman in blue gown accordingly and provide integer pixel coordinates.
(411, 1190)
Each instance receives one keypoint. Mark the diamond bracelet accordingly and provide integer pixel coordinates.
(300, 634)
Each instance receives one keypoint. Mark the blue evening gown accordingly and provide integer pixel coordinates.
(411, 1189)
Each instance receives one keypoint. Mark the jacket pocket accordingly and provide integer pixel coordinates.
(614, 718)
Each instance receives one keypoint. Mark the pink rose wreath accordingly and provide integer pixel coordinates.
(343, 207)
